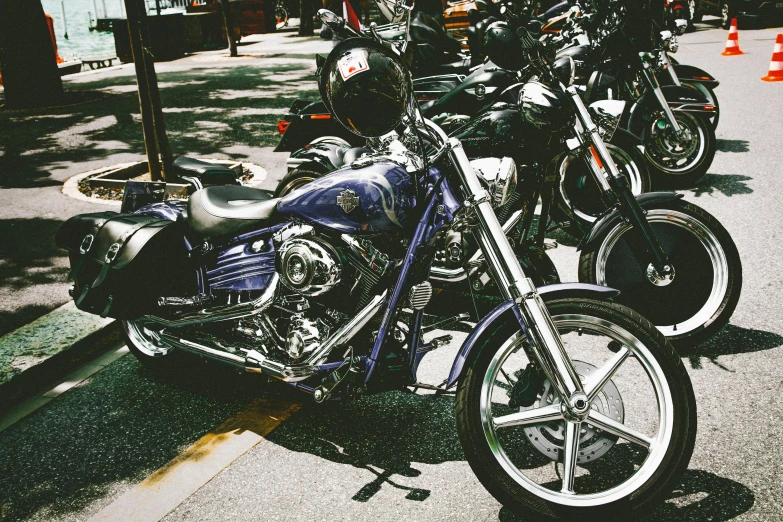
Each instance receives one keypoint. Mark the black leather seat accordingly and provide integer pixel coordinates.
(208, 173)
(229, 210)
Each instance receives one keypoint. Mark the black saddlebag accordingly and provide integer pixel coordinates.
(122, 263)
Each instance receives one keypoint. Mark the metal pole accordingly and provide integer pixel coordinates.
(65, 23)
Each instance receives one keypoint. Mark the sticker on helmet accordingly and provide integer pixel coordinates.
(352, 64)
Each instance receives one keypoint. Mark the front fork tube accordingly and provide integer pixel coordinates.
(669, 67)
(617, 183)
(653, 84)
(546, 345)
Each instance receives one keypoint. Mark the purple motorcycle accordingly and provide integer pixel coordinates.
(567, 404)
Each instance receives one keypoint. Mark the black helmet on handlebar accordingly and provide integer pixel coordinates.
(366, 86)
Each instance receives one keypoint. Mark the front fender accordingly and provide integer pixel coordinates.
(691, 74)
(504, 312)
(679, 98)
(610, 219)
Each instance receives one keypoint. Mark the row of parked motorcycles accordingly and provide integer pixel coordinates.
(413, 204)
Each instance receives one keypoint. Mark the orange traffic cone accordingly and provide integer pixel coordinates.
(775, 73)
(732, 44)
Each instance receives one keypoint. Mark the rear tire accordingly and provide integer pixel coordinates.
(708, 272)
(495, 462)
(295, 179)
(154, 355)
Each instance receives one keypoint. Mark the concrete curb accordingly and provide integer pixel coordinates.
(49, 348)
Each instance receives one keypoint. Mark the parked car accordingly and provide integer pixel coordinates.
(744, 11)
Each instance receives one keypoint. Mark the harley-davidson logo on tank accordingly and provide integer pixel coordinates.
(348, 200)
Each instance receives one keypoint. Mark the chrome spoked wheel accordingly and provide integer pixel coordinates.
(580, 193)
(585, 463)
(690, 300)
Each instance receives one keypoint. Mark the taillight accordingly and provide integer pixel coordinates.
(282, 126)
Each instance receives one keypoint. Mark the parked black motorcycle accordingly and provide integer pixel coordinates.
(675, 122)
(674, 262)
(309, 289)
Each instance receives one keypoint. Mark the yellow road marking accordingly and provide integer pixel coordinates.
(168, 487)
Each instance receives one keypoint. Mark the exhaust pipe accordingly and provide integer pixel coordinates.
(218, 313)
(256, 362)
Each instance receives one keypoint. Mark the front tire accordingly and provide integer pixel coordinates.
(512, 456)
(707, 272)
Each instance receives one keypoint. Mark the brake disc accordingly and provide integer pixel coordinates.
(666, 145)
(594, 443)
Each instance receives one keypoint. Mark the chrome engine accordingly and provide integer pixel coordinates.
(307, 266)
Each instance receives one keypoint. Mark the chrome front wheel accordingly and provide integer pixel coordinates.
(630, 446)
(705, 287)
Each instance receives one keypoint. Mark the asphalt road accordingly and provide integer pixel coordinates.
(396, 456)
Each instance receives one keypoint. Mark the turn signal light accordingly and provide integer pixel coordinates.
(701, 77)
(320, 116)
(709, 107)
(282, 126)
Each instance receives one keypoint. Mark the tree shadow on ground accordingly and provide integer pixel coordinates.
(206, 108)
(731, 340)
(118, 428)
(726, 184)
(28, 257)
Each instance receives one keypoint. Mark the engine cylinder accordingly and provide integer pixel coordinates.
(307, 266)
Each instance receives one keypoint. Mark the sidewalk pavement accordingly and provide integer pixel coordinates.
(214, 105)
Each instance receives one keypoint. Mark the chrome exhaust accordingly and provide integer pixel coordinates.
(256, 362)
(218, 313)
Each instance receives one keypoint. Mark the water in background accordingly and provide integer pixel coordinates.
(82, 42)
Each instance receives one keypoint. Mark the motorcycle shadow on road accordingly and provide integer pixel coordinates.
(701, 497)
(389, 434)
(731, 340)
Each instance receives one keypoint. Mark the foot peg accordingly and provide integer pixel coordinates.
(347, 370)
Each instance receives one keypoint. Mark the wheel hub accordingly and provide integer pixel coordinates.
(549, 438)
(660, 279)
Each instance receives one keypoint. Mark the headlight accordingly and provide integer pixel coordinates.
(606, 114)
(500, 176)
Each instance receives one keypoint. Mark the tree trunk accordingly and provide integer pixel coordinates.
(30, 73)
(306, 18)
(228, 20)
(155, 139)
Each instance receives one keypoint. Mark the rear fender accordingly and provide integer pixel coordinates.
(610, 219)
(308, 121)
(679, 98)
(504, 313)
